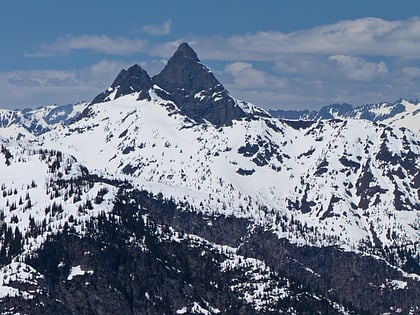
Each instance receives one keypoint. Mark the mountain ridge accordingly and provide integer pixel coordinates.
(251, 214)
(402, 113)
(30, 123)
(192, 87)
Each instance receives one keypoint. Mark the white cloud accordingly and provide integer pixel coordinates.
(359, 69)
(163, 29)
(406, 32)
(362, 37)
(104, 71)
(246, 76)
(98, 43)
(44, 87)
(39, 78)
(247, 83)
(412, 72)
(36, 88)
(303, 64)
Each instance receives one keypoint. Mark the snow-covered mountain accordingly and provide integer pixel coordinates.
(29, 123)
(403, 113)
(74, 242)
(326, 174)
(339, 178)
(239, 212)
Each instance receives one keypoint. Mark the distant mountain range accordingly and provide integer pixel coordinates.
(166, 195)
(34, 122)
(403, 113)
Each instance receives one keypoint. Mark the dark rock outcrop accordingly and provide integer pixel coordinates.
(186, 82)
(195, 89)
(134, 79)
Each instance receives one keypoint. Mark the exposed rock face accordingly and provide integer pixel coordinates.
(134, 79)
(186, 81)
(195, 89)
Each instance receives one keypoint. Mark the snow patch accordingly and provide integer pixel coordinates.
(78, 271)
(17, 273)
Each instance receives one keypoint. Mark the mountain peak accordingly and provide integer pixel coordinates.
(187, 82)
(185, 50)
(195, 89)
(135, 73)
(185, 71)
(134, 79)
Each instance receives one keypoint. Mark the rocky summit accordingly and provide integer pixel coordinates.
(186, 82)
(195, 89)
(134, 79)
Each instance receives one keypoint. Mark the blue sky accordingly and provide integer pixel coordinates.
(277, 54)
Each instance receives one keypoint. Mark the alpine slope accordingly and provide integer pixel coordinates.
(307, 200)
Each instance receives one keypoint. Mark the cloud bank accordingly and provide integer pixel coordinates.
(355, 61)
(97, 43)
(363, 37)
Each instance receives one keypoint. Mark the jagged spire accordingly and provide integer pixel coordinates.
(186, 51)
(195, 89)
(185, 71)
